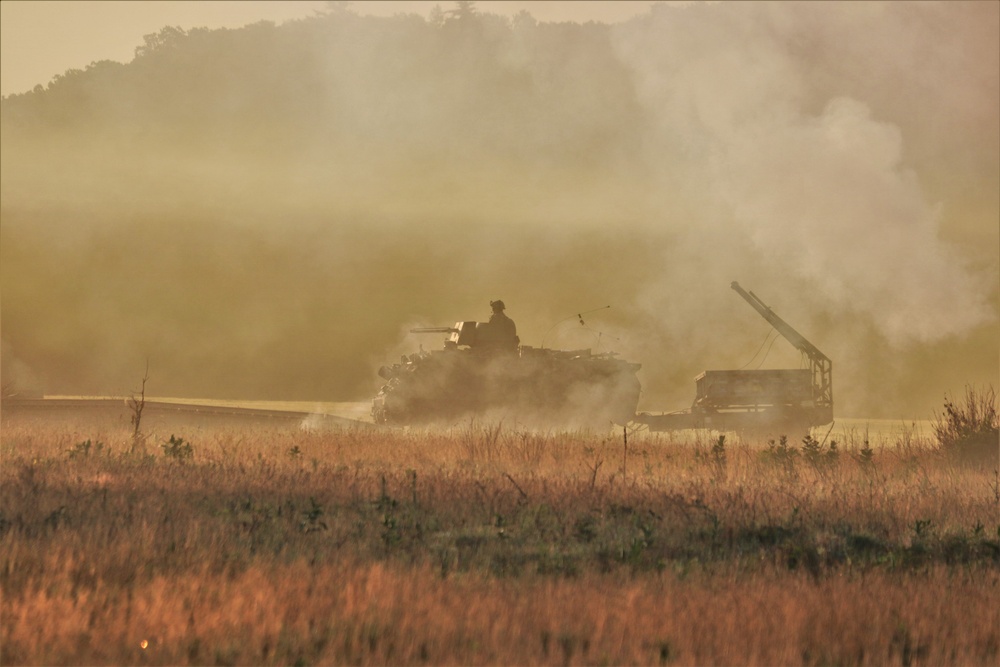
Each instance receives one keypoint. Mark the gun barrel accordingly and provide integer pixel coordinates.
(434, 330)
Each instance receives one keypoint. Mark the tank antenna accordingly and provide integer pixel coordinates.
(578, 316)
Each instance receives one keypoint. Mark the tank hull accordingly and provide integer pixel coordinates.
(534, 387)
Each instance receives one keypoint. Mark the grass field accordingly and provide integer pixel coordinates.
(484, 544)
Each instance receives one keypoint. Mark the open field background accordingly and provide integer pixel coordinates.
(877, 431)
(485, 544)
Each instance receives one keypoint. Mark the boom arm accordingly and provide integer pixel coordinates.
(822, 367)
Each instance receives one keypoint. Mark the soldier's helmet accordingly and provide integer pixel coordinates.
(497, 305)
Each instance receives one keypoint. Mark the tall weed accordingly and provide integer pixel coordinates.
(969, 429)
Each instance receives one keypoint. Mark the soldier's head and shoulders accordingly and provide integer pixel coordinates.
(498, 308)
(500, 331)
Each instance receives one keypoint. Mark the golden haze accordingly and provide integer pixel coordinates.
(262, 212)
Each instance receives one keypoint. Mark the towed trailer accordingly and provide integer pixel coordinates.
(785, 400)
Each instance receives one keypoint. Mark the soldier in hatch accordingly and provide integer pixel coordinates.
(499, 333)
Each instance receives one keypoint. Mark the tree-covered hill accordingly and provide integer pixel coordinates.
(403, 85)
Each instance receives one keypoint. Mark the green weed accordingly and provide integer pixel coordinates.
(177, 449)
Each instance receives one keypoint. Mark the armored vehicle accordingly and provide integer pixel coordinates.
(476, 376)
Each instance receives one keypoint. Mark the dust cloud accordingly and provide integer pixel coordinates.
(262, 213)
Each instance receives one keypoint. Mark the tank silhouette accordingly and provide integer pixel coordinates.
(477, 376)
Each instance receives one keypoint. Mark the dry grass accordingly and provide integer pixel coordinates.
(969, 429)
(487, 545)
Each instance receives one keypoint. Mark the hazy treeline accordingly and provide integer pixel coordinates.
(262, 212)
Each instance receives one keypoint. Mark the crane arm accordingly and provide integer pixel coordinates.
(785, 329)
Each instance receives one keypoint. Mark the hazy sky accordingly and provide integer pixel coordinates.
(39, 39)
